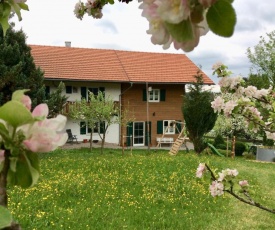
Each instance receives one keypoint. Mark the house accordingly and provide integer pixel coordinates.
(130, 78)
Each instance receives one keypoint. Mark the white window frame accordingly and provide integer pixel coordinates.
(154, 95)
(172, 129)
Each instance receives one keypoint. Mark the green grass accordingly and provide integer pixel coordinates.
(83, 190)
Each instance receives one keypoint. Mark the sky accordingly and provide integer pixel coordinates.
(122, 27)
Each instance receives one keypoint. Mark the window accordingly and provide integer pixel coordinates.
(85, 91)
(169, 127)
(154, 95)
(69, 89)
(84, 129)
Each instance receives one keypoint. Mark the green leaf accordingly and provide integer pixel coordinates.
(3, 131)
(16, 9)
(18, 94)
(23, 6)
(4, 19)
(221, 18)
(5, 217)
(182, 31)
(15, 113)
(27, 170)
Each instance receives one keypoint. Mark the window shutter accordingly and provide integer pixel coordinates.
(178, 128)
(162, 94)
(84, 93)
(47, 90)
(159, 127)
(82, 127)
(129, 131)
(144, 95)
(146, 133)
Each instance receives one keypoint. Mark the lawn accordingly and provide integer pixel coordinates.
(83, 190)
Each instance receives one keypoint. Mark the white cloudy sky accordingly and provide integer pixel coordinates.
(122, 27)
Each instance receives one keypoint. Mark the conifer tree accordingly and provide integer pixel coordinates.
(17, 68)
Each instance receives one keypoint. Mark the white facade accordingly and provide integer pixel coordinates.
(111, 89)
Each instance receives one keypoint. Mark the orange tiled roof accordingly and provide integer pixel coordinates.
(85, 64)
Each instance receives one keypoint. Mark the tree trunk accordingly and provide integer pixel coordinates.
(3, 188)
(233, 147)
(102, 143)
(3, 180)
(91, 141)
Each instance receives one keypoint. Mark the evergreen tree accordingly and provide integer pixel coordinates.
(17, 68)
(198, 114)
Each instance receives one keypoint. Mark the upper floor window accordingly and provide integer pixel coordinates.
(71, 89)
(85, 91)
(154, 95)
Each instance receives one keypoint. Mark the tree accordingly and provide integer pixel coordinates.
(17, 68)
(198, 114)
(261, 81)
(262, 57)
(98, 113)
(56, 100)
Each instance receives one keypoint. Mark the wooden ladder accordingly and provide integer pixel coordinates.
(176, 146)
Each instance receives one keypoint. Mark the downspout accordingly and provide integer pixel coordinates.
(131, 85)
(120, 107)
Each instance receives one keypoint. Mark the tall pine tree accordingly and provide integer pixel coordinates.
(17, 68)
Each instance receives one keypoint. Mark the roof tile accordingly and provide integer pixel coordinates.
(69, 63)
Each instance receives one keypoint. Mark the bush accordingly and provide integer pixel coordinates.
(219, 141)
(221, 146)
(240, 148)
(249, 156)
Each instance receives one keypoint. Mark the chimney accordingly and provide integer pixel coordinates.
(68, 44)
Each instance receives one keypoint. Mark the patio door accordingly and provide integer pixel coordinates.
(138, 133)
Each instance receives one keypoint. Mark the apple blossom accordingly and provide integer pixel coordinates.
(200, 170)
(225, 184)
(44, 135)
(218, 104)
(243, 183)
(216, 188)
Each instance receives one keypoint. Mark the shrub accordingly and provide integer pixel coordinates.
(219, 141)
(221, 146)
(249, 156)
(240, 147)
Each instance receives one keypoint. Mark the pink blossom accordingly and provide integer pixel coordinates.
(227, 174)
(261, 93)
(26, 101)
(2, 155)
(217, 65)
(44, 135)
(216, 188)
(200, 170)
(243, 183)
(270, 135)
(41, 110)
(229, 106)
(173, 11)
(250, 91)
(218, 104)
